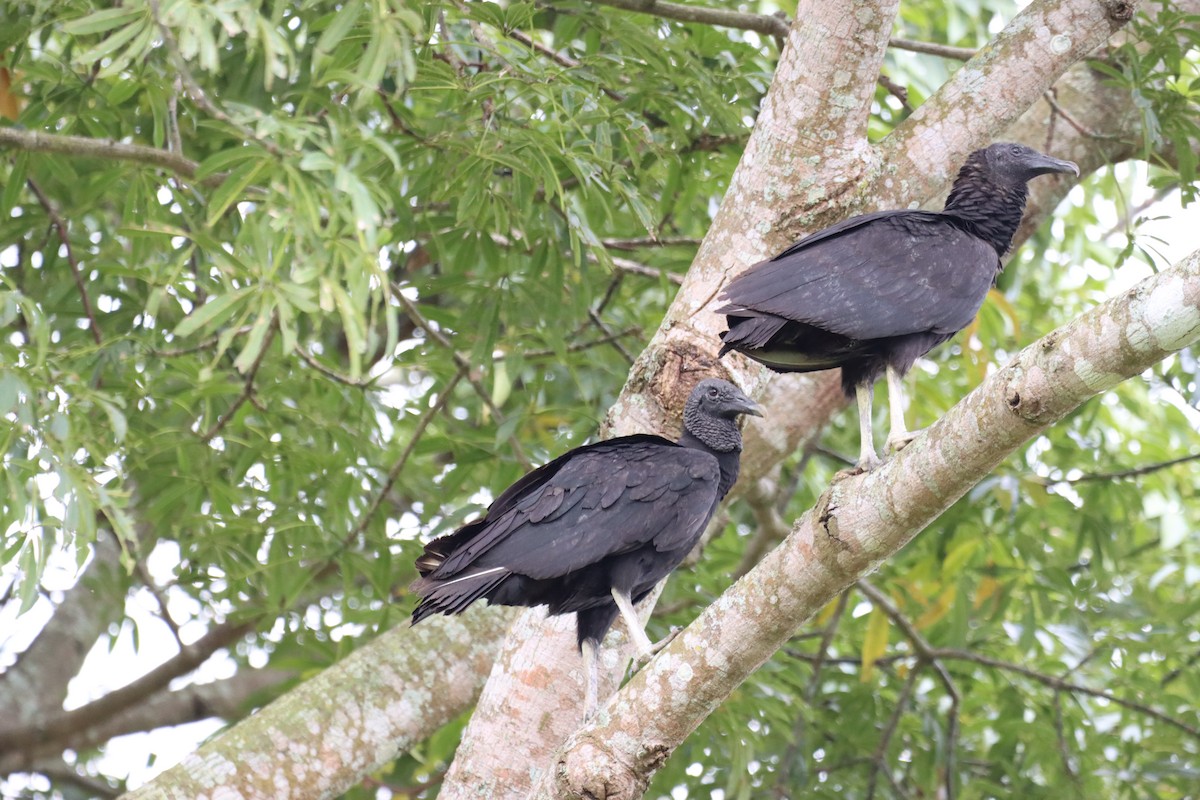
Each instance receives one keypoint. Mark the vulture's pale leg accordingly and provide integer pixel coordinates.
(637, 634)
(899, 436)
(591, 678)
(867, 459)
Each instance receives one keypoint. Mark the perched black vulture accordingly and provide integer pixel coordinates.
(595, 529)
(876, 292)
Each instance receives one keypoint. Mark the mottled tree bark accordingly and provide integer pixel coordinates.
(319, 739)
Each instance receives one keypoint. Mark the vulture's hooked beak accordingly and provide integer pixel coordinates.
(1041, 164)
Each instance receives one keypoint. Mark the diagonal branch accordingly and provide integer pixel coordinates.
(1134, 472)
(26, 738)
(223, 698)
(355, 715)
(61, 227)
(464, 365)
(247, 387)
(926, 655)
(1064, 685)
(862, 520)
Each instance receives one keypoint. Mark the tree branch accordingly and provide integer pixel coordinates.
(862, 520)
(247, 387)
(20, 739)
(464, 365)
(60, 226)
(106, 149)
(225, 699)
(766, 24)
(349, 719)
(1135, 472)
(36, 685)
(773, 25)
(926, 655)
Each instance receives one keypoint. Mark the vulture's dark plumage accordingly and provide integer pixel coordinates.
(595, 529)
(874, 293)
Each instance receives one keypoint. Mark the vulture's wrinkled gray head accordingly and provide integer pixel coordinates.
(1011, 163)
(711, 414)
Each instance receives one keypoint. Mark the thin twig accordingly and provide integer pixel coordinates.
(204, 344)
(636, 268)
(394, 473)
(144, 575)
(1063, 685)
(1079, 127)
(1063, 749)
(926, 653)
(879, 758)
(328, 372)
(831, 627)
(462, 363)
(107, 149)
(59, 225)
(638, 243)
(173, 135)
(776, 26)
(818, 661)
(770, 526)
(608, 333)
(574, 348)
(1175, 673)
(833, 455)
(1133, 472)
(247, 387)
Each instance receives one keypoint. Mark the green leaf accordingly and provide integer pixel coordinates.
(232, 188)
(255, 341)
(104, 20)
(116, 418)
(212, 313)
(341, 24)
(111, 44)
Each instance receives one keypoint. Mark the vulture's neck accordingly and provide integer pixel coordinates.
(992, 210)
(729, 459)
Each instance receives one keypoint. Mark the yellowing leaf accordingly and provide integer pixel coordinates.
(10, 103)
(987, 589)
(826, 613)
(938, 609)
(1006, 308)
(874, 643)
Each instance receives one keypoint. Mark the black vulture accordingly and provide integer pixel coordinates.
(876, 292)
(595, 529)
